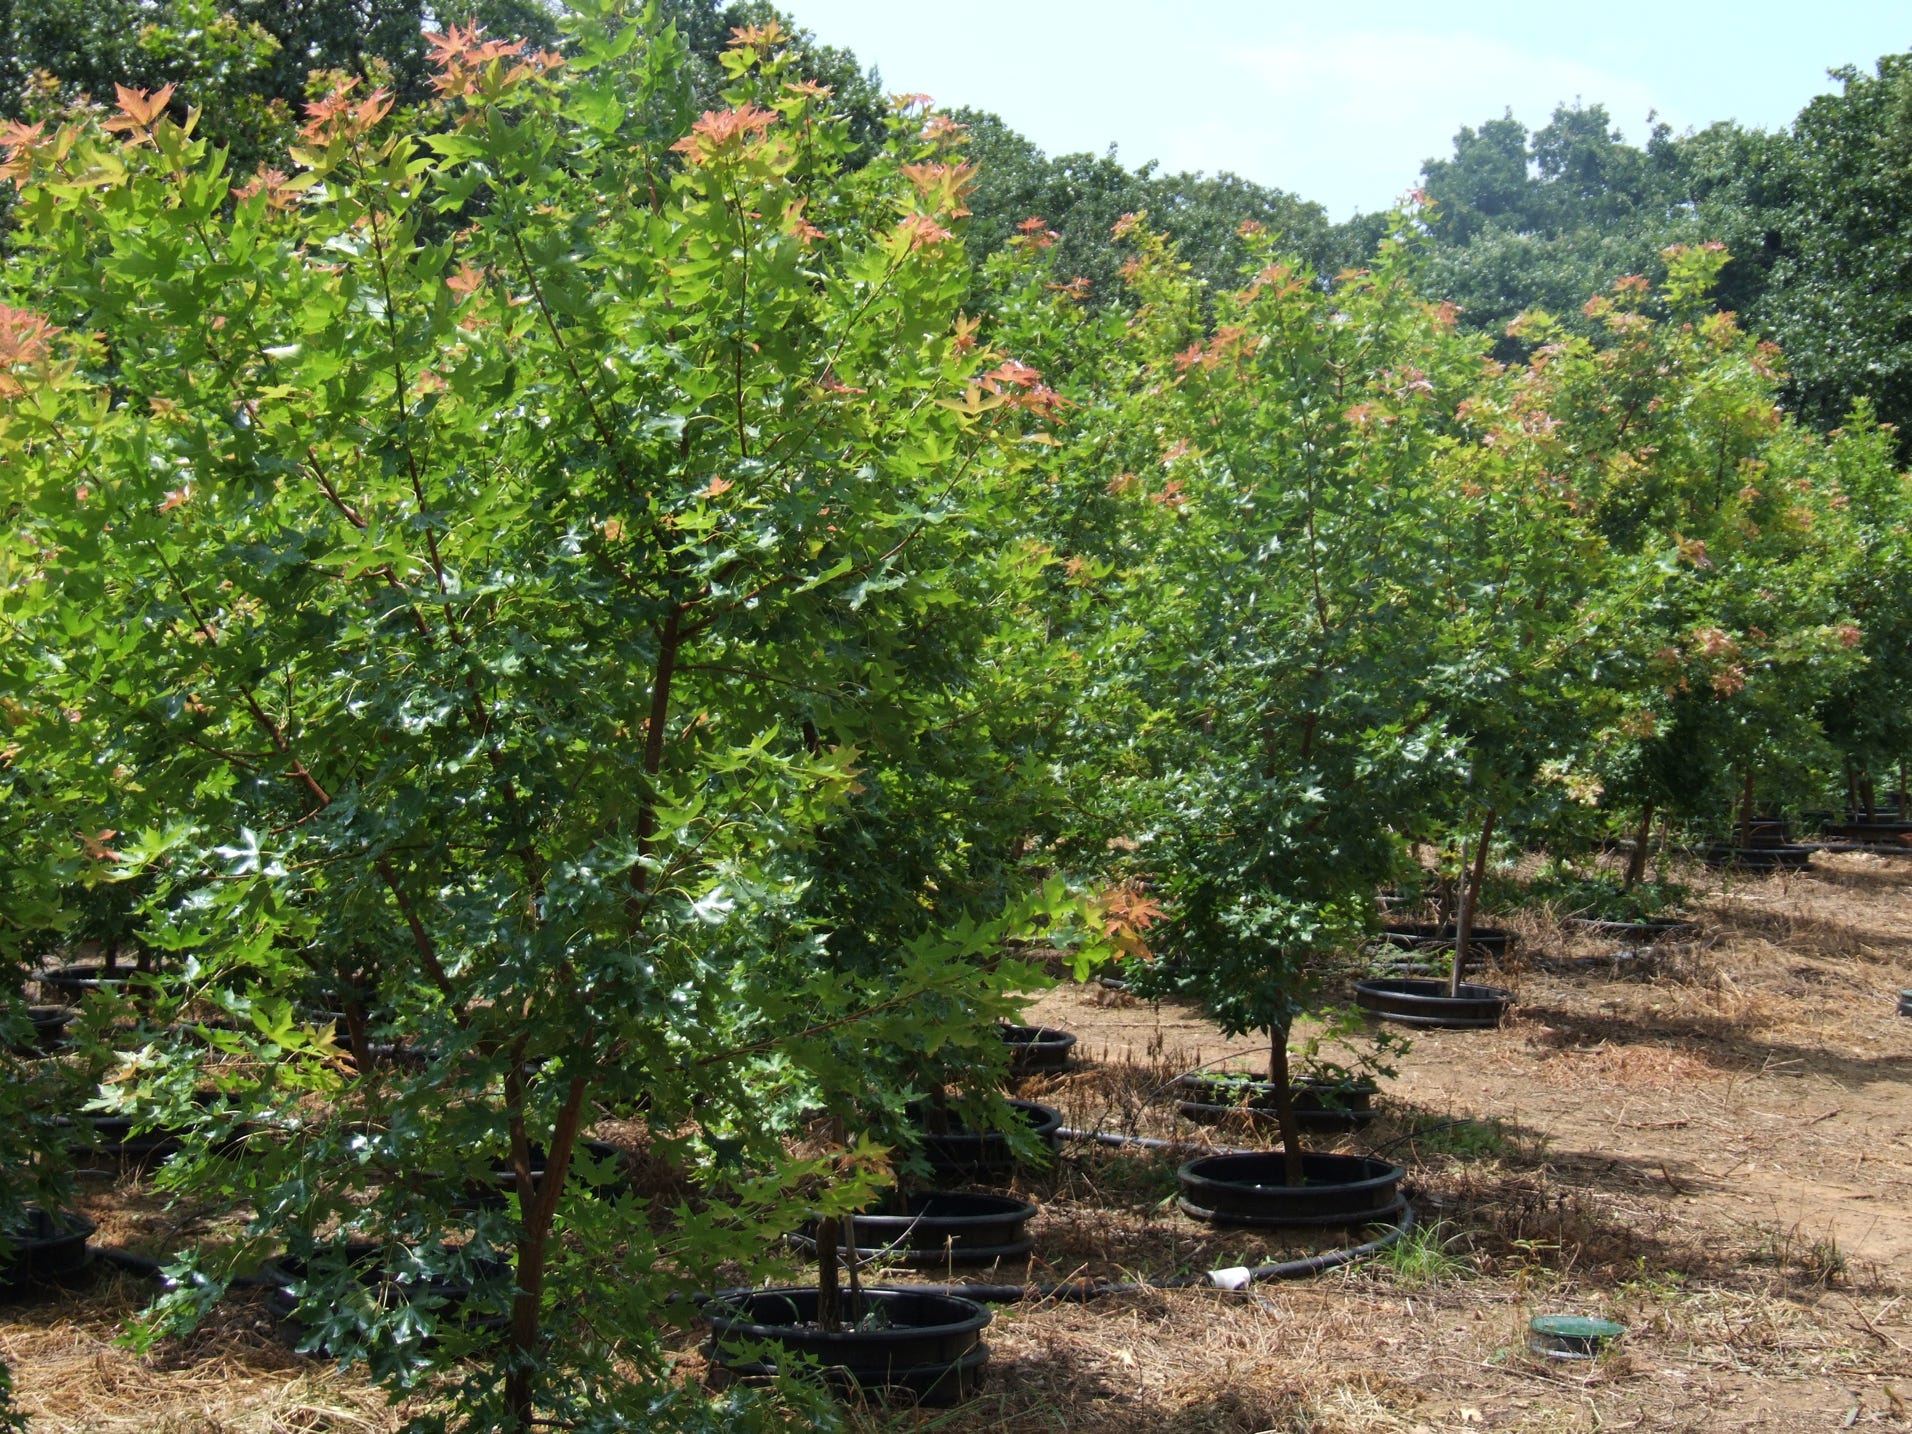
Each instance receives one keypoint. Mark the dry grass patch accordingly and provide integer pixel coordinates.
(232, 1377)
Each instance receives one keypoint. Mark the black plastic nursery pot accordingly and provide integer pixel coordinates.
(112, 1137)
(1427, 1003)
(943, 1227)
(961, 1155)
(49, 1247)
(1319, 1105)
(504, 1179)
(381, 1050)
(1253, 1189)
(73, 984)
(1905, 1003)
(389, 1278)
(1894, 836)
(927, 1344)
(1037, 1050)
(1483, 942)
(1757, 858)
(1634, 933)
(49, 1030)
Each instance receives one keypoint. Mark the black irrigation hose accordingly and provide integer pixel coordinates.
(1237, 1280)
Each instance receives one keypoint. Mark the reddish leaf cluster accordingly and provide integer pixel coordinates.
(721, 132)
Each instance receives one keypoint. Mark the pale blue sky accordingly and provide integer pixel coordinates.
(1338, 102)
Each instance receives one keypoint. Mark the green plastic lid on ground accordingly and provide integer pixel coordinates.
(1571, 1336)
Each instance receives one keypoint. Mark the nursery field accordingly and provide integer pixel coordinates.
(1710, 1144)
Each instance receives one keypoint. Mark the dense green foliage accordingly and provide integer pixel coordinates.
(567, 646)
(607, 580)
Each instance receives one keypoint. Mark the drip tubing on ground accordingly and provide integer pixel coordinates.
(1239, 1280)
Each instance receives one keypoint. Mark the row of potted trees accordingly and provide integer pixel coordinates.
(558, 603)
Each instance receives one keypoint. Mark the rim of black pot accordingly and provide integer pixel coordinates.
(366, 1258)
(1432, 990)
(50, 1227)
(1004, 1207)
(1044, 1120)
(1384, 1173)
(1036, 1035)
(724, 1316)
(503, 1174)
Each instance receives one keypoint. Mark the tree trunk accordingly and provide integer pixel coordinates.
(1852, 793)
(829, 1295)
(1642, 840)
(1869, 794)
(1471, 881)
(1746, 812)
(355, 1036)
(537, 1209)
(851, 1266)
(1285, 1105)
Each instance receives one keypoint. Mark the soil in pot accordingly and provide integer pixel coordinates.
(1483, 943)
(390, 1277)
(1319, 1105)
(1428, 1003)
(959, 1155)
(938, 1228)
(1252, 1189)
(916, 1342)
(1037, 1050)
(49, 1248)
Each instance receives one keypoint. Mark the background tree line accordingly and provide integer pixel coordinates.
(1813, 215)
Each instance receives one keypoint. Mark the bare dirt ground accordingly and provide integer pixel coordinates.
(1712, 1146)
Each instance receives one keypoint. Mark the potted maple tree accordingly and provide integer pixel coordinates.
(1283, 601)
(543, 547)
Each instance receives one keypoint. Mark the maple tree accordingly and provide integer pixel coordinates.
(516, 575)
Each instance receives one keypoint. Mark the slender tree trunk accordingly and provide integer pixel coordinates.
(1285, 1106)
(1463, 921)
(850, 1266)
(1868, 794)
(1746, 812)
(1642, 840)
(1471, 882)
(538, 1208)
(355, 1036)
(1852, 792)
(829, 1294)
